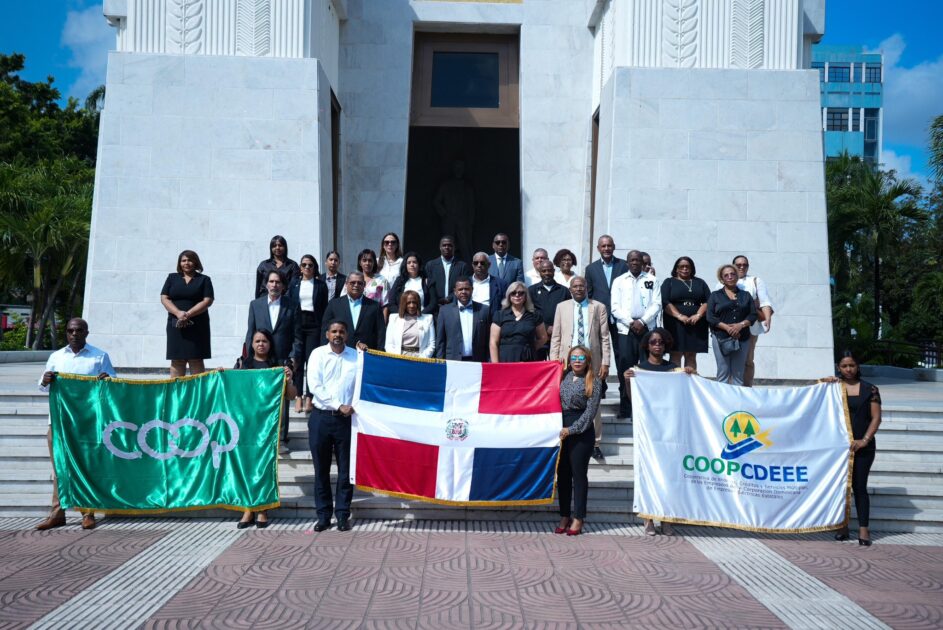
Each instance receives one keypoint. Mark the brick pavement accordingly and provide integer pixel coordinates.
(178, 573)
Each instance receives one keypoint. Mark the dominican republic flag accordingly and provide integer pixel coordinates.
(454, 432)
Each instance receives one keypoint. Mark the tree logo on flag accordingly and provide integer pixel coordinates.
(456, 429)
(744, 435)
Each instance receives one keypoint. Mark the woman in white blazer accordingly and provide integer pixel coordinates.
(410, 332)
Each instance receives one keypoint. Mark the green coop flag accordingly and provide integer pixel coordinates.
(206, 441)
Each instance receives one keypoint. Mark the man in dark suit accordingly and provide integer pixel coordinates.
(445, 270)
(275, 313)
(363, 316)
(486, 289)
(463, 328)
(545, 295)
(504, 265)
(599, 277)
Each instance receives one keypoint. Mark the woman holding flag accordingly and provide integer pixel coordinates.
(262, 359)
(580, 392)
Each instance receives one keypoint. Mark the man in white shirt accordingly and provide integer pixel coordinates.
(532, 277)
(486, 288)
(332, 371)
(636, 305)
(77, 357)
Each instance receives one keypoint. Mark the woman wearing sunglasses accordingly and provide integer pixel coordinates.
(308, 294)
(391, 258)
(516, 330)
(580, 392)
(653, 348)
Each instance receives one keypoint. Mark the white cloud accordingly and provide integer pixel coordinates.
(904, 167)
(912, 96)
(89, 37)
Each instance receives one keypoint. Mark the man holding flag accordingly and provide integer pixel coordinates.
(81, 358)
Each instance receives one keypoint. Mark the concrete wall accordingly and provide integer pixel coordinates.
(713, 163)
(215, 154)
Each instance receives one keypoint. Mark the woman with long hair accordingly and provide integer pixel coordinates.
(309, 296)
(412, 277)
(580, 391)
(376, 287)
(279, 261)
(391, 257)
(864, 406)
(262, 358)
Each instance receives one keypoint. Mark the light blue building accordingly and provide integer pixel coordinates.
(852, 83)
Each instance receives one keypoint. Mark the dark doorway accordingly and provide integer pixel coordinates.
(490, 172)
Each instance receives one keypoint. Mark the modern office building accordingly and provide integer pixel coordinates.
(681, 127)
(852, 83)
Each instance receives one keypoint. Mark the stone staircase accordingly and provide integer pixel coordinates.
(906, 481)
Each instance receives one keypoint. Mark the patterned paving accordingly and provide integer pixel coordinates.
(182, 573)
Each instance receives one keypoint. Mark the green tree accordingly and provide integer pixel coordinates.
(936, 148)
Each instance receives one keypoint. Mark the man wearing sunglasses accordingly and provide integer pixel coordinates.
(486, 289)
(506, 266)
(362, 316)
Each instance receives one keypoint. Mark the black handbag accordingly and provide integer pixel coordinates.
(728, 345)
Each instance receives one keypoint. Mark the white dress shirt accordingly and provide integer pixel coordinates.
(481, 290)
(532, 277)
(391, 269)
(635, 298)
(466, 315)
(306, 295)
(447, 267)
(413, 284)
(331, 377)
(274, 308)
(89, 361)
(577, 307)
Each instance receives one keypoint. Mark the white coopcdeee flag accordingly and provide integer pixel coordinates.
(758, 459)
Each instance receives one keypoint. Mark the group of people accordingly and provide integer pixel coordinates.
(312, 322)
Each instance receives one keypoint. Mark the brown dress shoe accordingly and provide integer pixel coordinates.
(88, 521)
(54, 520)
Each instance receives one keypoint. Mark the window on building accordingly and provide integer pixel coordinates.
(839, 73)
(820, 66)
(872, 74)
(836, 119)
(871, 118)
(856, 119)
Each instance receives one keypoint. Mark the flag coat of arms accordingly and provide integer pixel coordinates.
(457, 433)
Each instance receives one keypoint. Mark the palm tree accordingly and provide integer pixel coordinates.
(883, 204)
(936, 148)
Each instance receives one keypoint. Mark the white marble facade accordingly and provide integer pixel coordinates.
(215, 136)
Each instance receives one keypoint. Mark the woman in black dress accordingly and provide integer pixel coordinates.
(684, 299)
(309, 296)
(187, 295)
(516, 330)
(279, 261)
(864, 406)
(580, 392)
(262, 358)
(412, 277)
(653, 348)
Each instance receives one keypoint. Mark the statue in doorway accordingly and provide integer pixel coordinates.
(455, 204)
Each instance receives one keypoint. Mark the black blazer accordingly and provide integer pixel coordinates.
(448, 333)
(319, 297)
(339, 286)
(370, 327)
(596, 286)
(546, 301)
(430, 298)
(435, 271)
(284, 332)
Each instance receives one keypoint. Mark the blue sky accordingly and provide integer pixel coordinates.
(68, 39)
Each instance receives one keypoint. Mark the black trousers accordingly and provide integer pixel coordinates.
(859, 485)
(329, 435)
(628, 357)
(311, 339)
(572, 473)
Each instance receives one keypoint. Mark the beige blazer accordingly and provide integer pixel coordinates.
(600, 345)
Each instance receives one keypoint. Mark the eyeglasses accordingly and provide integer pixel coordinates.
(500, 242)
(739, 265)
(577, 357)
(729, 275)
(390, 242)
(518, 293)
(478, 263)
(356, 283)
(306, 265)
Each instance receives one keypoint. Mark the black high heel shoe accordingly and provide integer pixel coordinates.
(864, 542)
(840, 537)
(245, 524)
